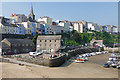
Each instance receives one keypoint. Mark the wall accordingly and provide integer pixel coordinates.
(55, 62)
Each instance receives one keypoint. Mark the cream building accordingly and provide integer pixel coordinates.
(18, 18)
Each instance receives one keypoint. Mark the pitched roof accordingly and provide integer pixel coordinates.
(48, 37)
(4, 45)
(19, 41)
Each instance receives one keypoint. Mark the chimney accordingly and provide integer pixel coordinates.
(15, 14)
(11, 15)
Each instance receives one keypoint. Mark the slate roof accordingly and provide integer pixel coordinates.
(49, 37)
(4, 45)
(19, 41)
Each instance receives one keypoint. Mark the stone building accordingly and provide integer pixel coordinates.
(50, 43)
(94, 42)
(5, 47)
(19, 45)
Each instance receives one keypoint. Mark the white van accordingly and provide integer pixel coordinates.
(34, 53)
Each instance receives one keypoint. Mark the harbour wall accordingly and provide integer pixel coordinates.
(55, 62)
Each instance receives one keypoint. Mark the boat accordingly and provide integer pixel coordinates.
(79, 61)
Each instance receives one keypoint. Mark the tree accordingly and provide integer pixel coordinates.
(35, 38)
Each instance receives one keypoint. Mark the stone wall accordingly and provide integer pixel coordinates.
(55, 62)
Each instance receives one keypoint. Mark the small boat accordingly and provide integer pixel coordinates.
(79, 61)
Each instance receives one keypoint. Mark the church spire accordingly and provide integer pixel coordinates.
(31, 16)
(31, 9)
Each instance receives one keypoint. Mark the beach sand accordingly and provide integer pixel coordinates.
(69, 69)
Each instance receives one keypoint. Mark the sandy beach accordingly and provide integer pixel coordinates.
(69, 69)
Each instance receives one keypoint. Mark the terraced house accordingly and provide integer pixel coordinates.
(30, 27)
(7, 28)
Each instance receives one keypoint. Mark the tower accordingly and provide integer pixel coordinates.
(31, 15)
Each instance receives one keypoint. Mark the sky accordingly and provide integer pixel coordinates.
(97, 12)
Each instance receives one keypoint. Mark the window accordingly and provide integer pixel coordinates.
(26, 44)
(55, 40)
(40, 40)
(40, 44)
(30, 44)
(45, 41)
(22, 44)
(50, 40)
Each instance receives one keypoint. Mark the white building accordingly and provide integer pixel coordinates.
(45, 19)
(66, 25)
(78, 26)
(90, 26)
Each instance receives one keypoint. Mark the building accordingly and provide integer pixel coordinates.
(78, 26)
(5, 27)
(57, 29)
(30, 27)
(65, 24)
(5, 47)
(19, 45)
(21, 29)
(31, 16)
(50, 43)
(94, 42)
(97, 27)
(18, 18)
(9, 28)
(90, 26)
(84, 26)
(46, 20)
(40, 28)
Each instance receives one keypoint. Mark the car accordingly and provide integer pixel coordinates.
(106, 65)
